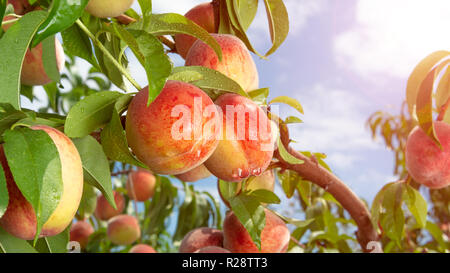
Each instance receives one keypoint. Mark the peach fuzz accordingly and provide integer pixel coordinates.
(80, 232)
(141, 185)
(237, 63)
(33, 72)
(168, 141)
(247, 152)
(425, 161)
(104, 211)
(142, 248)
(212, 249)
(274, 237)
(123, 229)
(20, 218)
(200, 238)
(108, 8)
(200, 172)
(202, 15)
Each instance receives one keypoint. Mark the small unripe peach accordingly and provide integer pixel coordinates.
(123, 229)
(212, 249)
(142, 248)
(274, 237)
(104, 211)
(108, 8)
(80, 232)
(246, 147)
(177, 132)
(201, 172)
(141, 185)
(426, 162)
(202, 15)
(237, 63)
(200, 238)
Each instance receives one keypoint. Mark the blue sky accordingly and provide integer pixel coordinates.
(343, 60)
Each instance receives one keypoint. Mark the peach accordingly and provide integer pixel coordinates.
(202, 15)
(237, 63)
(80, 232)
(20, 218)
(201, 172)
(104, 211)
(141, 185)
(142, 248)
(426, 162)
(123, 229)
(212, 249)
(246, 147)
(20, 6)
(108, 8)
(33, 72)
(200, 238)
(274, 237)
(166, 142)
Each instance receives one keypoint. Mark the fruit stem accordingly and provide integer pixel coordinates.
(108, 55)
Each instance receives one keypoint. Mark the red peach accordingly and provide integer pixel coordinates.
(246, 146)
(123, 229)
(108, 8)
(142, 248)
(80, 232)
(166, 142)
(200, 238)
(426, 162)
(202, 15)
(212, 249)
(20, 218)
(141, 185)
(104, 211)
(20, 6)
(201, 172)
(237, 63)
(274, 237)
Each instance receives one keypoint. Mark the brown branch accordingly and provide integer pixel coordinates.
(125, 20)
(169, 43)
(320, 176)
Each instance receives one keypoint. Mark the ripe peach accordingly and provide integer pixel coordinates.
(274, 237)
(20, 218)
(20, 6)
(237, 63)
(200, 238)
(212, 249)
(33, 72)
(202, 15)
(141, 185)
(166, 142)
(108, 8)
(80, 232)
(201, 172)
(123, 229)
(104, 211)
(142, 248)
(246, 146)
(425, 161)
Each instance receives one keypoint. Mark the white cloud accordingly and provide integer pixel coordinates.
(391, 37)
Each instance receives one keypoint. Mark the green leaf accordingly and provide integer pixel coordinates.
(416, 205)
(437, 234)
(96, 166)
(228, 189)
(4, 196)
(289, 101)
(265, 196)
(36, 167)
(9, 116)
(247, 11)
(49, 59)
(259, 95)
(13, 46)
(278, 23)
(77, 43)
(62, 14)
(172, 23)
(292, 119)
(90, 113)
(206, 78)
(88, 201)
(52, 92)
(286, 155)
(251, 214)
(54, 244)
(11, 244)
(289, 181)
(113, 137)
(393, 219)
